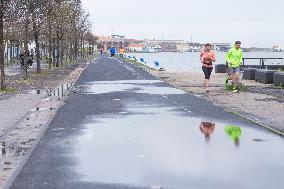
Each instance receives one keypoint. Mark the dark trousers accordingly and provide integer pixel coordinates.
(207, 71)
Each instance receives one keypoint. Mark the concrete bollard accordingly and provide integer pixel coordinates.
(220, 68)
(249, 73)
(278, 78)
(264, 76)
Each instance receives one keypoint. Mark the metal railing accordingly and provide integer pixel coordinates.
(261, 61)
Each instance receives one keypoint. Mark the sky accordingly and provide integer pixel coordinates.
(257, 23)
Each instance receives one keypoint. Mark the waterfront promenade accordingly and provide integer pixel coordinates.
(121, 127)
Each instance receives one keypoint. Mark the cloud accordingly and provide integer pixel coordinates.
(256, 22)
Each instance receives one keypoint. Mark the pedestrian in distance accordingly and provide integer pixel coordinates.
(29, 60)
(112, 52)
(121, 52)
(207, 58)
(22, 59)
(234, 59)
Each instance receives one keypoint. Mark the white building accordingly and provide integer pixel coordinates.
(183, 47)
(221, 46)
(135, 47)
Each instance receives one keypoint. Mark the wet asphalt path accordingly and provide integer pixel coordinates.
(122, 128)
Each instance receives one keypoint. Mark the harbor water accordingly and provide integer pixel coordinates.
(189, 61)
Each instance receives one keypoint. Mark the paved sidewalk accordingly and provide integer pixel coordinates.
(13, 109)
(25, 115)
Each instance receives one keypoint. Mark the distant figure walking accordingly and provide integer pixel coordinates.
(207, 58)
(29, 61)
(112, 52)
(121, 52)
(234, 59)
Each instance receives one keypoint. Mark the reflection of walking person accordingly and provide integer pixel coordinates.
(207, 129)
(207, 58)
(234, 133)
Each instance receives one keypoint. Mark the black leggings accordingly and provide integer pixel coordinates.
(207, 71)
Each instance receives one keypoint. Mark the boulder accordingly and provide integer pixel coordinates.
(264, 76)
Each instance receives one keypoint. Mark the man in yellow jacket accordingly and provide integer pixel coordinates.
(234, 59)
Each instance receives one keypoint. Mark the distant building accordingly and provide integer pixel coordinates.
(195, 47)
(276, 48)
(221, 46)
(107, 42)
(257, 49)
(163, 41)
(152, 49)
(135, 47)
(168, 47)
(183, 47)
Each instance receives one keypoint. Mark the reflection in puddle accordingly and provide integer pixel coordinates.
(259, 140)
(15, 149)
(158, 146)
(62, 90)
(207, 129)
(234, 133)
(136, 86)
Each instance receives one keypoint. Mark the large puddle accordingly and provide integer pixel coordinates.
(59, 91)
(154, 146)
(136, 86)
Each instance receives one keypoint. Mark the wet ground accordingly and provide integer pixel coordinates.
(122, 128)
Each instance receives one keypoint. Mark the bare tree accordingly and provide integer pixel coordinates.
(2, 45)
(60, 25)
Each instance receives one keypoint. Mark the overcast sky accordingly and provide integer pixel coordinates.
(254, 22)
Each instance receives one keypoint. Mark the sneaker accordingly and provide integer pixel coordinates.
(226, 81)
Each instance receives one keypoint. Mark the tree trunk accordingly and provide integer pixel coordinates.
(57, 52)
(36, 36)
(81, 47)
(76, 50)
(10, 52)
(53, 53)
(61, 53)
(3, 85)
(49, 44)
(26, 45)
(38, 69)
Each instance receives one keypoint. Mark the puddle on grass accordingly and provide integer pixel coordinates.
(60, 91)
(160, 147)
(136, 86)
